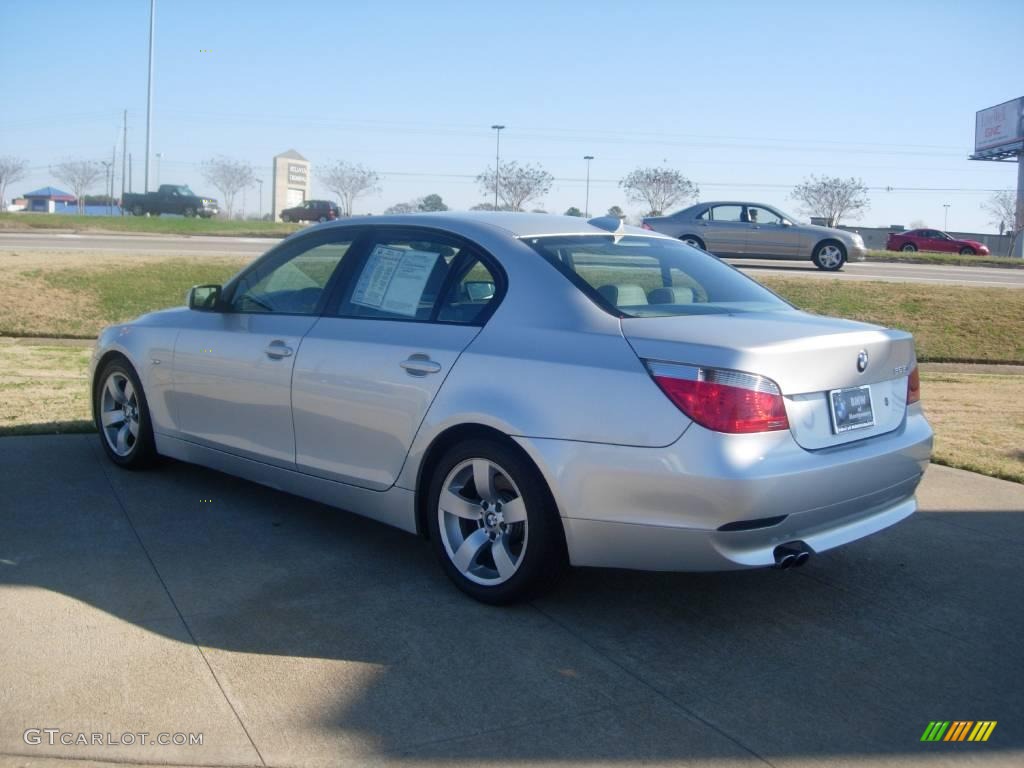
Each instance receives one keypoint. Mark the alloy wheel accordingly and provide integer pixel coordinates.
(119, 414)
(482, 521)
(830, 257)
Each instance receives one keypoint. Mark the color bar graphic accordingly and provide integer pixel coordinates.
(958, 730)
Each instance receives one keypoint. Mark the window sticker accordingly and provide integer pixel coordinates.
(393, 280)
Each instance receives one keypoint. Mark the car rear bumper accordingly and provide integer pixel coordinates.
(664, 508)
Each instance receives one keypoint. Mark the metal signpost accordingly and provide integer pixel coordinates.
(999, 137)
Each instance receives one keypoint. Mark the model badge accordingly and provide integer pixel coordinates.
(862, 360)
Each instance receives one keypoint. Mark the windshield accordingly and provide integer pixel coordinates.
(184, 190)
(642, 276)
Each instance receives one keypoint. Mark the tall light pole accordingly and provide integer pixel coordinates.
(108, 168)
(149, 91)
(586, 206)
(158, 156)
(124, 159)
(945, 218)
(259, 204)
(497, 160)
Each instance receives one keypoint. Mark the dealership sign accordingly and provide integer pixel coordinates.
(297, 174)
(999, 126)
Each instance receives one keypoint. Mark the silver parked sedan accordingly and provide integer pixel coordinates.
(734, 229)
(528, 391)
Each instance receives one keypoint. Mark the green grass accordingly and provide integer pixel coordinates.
(945, 259)
(163, 225)
(949, 323)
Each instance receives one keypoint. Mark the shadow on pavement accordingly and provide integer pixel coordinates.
(334, 637)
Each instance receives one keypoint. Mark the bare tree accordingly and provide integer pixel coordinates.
(832, 198)
(659, 188)
(517, 184)
(1002, 208)
(12, 169)
(412, 207)
(918, 224)
(79, 175)
(229, 177)
(350, 181)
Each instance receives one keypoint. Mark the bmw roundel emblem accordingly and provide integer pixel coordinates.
(862, 360)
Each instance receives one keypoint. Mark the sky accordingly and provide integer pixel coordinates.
(744, 98)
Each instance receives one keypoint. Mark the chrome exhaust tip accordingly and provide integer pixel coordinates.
(792, 554)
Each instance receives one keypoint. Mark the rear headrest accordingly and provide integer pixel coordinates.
(623, 294)
(671, 296)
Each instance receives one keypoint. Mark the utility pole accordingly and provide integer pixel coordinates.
(259, 204)
(586, 206)
(149, 91)
(497, 161)
(113, 169)
(130, 173)
(945, 217)
(107, 169)
(124, 158)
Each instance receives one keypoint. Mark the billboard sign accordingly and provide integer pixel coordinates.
(999, 126)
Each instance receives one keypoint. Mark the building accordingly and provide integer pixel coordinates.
(45, 200)
(291, 182)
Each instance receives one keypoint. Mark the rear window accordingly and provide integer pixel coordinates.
(637, 276)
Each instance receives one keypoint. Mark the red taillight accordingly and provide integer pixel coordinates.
(725, 401)
(913, 386)
(645, 225)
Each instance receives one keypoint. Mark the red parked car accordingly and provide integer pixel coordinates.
(932, 240)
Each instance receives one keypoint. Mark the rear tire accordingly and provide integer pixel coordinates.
(322, 219)
(121, 414)
(694, 241)
(829, 255)
(137, 210)
(502, 543)
(909, 248)
(286, 219)
(967, 251)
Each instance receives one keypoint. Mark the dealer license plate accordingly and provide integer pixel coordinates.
(851, 409)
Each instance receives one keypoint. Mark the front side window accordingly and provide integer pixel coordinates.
(640, 276)
(759, 215)
(293, 282)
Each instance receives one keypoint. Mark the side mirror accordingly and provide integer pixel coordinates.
(480, 290)
(787, 223)
(203, 298)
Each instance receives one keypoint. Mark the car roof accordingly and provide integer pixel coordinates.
(517, 225)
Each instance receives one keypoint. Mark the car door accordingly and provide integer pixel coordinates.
(769, 235)
(233, 367)
(369, 369)
(726, 230)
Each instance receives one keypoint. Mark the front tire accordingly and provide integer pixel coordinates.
(967, 251)
(190, 213)
(493, 523)
(121, 414)
(829, 255)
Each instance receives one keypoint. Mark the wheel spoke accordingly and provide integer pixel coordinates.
(112, 418)
(470, 549)
(454, 504)
(514, 511)
(483, 478)
(116, 394)
(122, 439)
(133, 427)
(502, 558)
(129, 391)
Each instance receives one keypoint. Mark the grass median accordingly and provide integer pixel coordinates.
(944, 259)
(156, 225)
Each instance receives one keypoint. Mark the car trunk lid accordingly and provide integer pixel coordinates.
(807, 356)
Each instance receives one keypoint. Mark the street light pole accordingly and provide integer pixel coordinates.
(586, 206)
(107, 169)
(158, 156)
(497, 160)
(149, 91)
(259, 204)
(945, 218)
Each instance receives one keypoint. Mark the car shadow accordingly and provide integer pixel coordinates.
(851, 655)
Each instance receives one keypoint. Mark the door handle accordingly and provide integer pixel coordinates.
(420, 365)
(278, 349)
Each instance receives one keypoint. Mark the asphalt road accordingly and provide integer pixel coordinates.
(253, 246)
(181, 600)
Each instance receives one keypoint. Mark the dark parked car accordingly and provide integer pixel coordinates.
(311, 210)
(170, 198)
(932, 240)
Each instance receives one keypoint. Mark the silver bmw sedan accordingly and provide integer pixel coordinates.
(528, 391)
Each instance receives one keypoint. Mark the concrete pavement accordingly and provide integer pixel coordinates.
(181, 600)
(253, 246)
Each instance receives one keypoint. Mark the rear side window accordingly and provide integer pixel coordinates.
(638, 276)
(727, 213)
